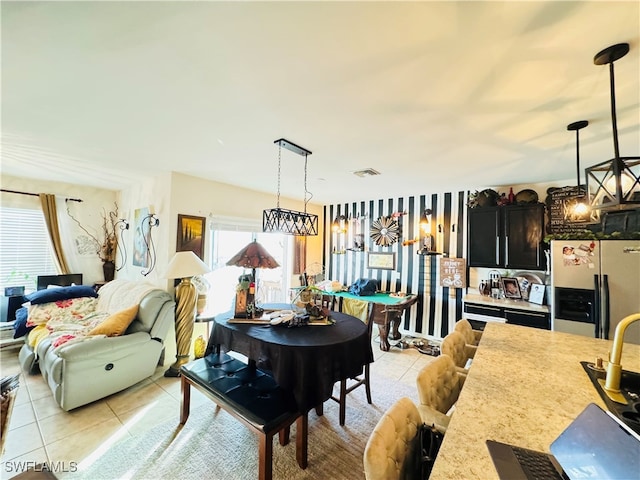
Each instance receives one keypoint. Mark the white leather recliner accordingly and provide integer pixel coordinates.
(80, 373)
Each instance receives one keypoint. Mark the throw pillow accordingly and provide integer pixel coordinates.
(116, 324)
(36, 335)
(64, 293)
(20, 328)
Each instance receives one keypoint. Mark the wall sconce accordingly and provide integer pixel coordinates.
(424, 221)
(580, 207)
(152, 221)
(123, 225)
(427, 239)
(339, 225)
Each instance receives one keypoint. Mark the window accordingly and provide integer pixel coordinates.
(25, 248)
(272, 284)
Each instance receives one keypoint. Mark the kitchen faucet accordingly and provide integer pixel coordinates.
(614, 368)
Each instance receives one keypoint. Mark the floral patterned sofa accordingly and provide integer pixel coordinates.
(89, 346)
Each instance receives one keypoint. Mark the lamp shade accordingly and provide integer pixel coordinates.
(186, 264)
(253, 255)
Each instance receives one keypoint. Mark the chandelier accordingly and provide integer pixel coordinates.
(616, 182)
(290, 222)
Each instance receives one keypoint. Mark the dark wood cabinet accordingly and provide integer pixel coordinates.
(528, 319)
(512, 315)
(507, 237)
(484, 232)
(524, 235)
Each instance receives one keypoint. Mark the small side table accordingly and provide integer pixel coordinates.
(207, 318)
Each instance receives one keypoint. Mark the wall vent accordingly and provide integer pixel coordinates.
(367, 172)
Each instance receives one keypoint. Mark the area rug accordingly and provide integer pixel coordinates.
(213, 445)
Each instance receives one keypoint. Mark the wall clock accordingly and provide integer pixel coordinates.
(385, 231)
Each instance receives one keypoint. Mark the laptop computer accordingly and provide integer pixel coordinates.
(596, 445)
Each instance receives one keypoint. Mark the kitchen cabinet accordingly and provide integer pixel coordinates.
(484, 237)
(510, 236)
(516, 312)
(527, 318)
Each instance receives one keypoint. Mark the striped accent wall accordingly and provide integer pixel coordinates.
(438, 308)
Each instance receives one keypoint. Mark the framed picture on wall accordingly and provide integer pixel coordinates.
(141, 238)
(191, 235)
(381, 260)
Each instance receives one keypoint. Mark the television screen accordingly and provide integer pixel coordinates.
(60, 280)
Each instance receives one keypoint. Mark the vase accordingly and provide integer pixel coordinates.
(109, 270)
(199, 347)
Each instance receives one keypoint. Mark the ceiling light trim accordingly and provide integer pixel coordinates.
(367, 172)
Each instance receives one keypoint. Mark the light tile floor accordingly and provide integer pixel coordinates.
(39, 431)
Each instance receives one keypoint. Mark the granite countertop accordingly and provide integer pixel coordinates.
(505, 303)
(524, 387)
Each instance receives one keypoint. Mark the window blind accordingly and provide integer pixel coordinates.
(25, 248)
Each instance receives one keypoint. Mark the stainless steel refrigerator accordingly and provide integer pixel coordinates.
(595, 284)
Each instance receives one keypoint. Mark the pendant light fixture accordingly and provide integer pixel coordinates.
(290, 222)
(580, 208)
(615, 183)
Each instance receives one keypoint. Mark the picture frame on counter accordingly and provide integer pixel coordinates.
(511, 288)
(536, 294)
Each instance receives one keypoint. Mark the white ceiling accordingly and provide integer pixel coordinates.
(434, 95)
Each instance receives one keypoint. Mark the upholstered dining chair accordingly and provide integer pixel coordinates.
(328, 301)
(439, 384)
(390, 450)
(471, 336)
(460, 352)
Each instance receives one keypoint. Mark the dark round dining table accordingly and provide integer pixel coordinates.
(307, 360)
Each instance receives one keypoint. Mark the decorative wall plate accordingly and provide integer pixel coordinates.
(527, 196)
(385, 231)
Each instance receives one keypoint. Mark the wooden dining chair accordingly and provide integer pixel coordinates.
(349, 385)
(328, 301)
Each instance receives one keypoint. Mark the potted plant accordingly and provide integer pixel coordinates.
(20, 278)
(107, 245)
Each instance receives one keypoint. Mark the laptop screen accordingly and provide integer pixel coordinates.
(596, 446)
